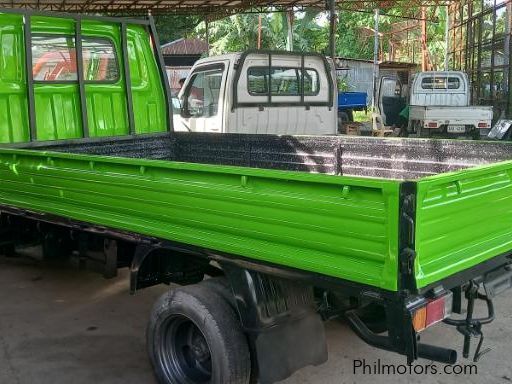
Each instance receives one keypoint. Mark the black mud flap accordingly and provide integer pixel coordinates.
(281, 318)
(288, 347)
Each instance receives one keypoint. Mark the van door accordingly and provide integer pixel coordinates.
(391, 100)
(202, 100)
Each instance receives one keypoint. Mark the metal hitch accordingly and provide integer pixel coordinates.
(471, 327)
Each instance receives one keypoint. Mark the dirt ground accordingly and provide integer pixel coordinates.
(62, 325)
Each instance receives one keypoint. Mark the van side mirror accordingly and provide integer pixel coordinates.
(184, 112)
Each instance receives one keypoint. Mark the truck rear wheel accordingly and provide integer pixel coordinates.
(194, 336)
(345, 116)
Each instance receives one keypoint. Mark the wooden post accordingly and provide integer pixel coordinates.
(375, 60)
(207, 37)
(447, 39)
(332, 28)
(259, 30)
(424, 55)
(508, 60)
(289, 22)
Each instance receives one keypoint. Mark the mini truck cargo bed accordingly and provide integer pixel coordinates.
(452, 115)
(452, 119)
(345, 226)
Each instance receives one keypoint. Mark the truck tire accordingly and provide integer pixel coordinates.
(194, 336)
(475, 134)
(222, 287)
(345, 116)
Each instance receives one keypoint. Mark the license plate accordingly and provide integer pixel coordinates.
(456, 128)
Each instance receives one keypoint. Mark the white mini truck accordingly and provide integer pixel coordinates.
(439, 104)
(265, 92)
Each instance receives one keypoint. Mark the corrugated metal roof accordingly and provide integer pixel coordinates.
(211, 9)
(192, 46)
(341, 62)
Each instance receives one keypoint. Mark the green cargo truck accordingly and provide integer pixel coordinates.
(269, 235)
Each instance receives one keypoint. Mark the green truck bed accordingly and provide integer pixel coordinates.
(337, 225)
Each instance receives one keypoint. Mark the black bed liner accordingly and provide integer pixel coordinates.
(391, 158)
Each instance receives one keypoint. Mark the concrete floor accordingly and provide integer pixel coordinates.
(61, 325)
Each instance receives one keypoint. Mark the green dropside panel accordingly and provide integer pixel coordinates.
(338, 226)
(462, 219)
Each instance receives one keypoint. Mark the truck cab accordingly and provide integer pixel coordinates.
(439, 105)
(259, 92)
(447, 88)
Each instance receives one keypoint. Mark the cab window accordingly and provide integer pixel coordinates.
(54, 58)
(100, 60)
(440, 82)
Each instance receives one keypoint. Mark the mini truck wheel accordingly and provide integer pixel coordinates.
(194, 337)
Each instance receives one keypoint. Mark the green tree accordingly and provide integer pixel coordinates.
(240, 32)
(171, 27)
(231, 34)
(311, 32)
(351, 41)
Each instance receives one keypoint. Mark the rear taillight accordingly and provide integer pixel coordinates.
(432, 125)
(484, 125)
(432, 312)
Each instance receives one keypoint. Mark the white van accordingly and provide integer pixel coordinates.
(260, 92)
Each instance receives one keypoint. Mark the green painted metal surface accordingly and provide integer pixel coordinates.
(338, 226)
(57, 103)
(463, 218)
(106, 103)
(13, 89)
(147, 90)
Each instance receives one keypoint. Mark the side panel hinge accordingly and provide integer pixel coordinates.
(407, 236)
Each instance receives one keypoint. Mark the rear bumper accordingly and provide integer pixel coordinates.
(491, 278)
(413, 351)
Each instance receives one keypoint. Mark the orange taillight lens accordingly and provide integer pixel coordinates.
(419, 319)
